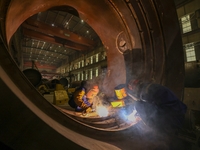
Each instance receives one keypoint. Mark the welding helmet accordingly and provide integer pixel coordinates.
(134, 87)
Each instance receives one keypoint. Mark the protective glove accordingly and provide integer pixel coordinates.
(86, 101)
(88, 110)
(84, 98)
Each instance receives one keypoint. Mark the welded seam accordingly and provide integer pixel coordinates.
(149, 33)
(124, 22)
(150, 29)
(141, 31)
(139, 28)
(101, 129)
(163, 39)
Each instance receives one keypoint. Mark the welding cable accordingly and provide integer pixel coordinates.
(133, 97)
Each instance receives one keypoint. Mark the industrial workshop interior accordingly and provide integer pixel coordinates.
(47, 48)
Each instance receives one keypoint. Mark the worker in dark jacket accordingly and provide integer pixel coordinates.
(157, 105)
(79, 101)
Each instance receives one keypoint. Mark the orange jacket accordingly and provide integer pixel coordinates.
(92, 93)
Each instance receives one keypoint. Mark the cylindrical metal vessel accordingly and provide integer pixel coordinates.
(33, 76)
(54, 82)
(64, 82)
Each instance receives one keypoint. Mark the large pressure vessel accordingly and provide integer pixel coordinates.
(34, 76)
(54, 82)
(63, 81)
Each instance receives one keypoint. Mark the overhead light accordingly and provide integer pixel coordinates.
(52, 24)
(87, 31)
(82, 21)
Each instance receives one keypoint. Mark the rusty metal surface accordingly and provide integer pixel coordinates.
(150, 29)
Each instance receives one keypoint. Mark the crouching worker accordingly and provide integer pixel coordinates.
(157, 106)
(79, 101)
(91, 95)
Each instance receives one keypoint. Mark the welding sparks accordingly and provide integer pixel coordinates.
(132, 117)
(102, 111)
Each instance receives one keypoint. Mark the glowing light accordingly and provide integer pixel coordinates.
(102, 111)
(131, 117)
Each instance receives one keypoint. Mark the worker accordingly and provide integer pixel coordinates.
(43, 89)
(91, 94)
(157, 106)
(79, 100)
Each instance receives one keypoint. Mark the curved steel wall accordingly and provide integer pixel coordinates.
(151, 31)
